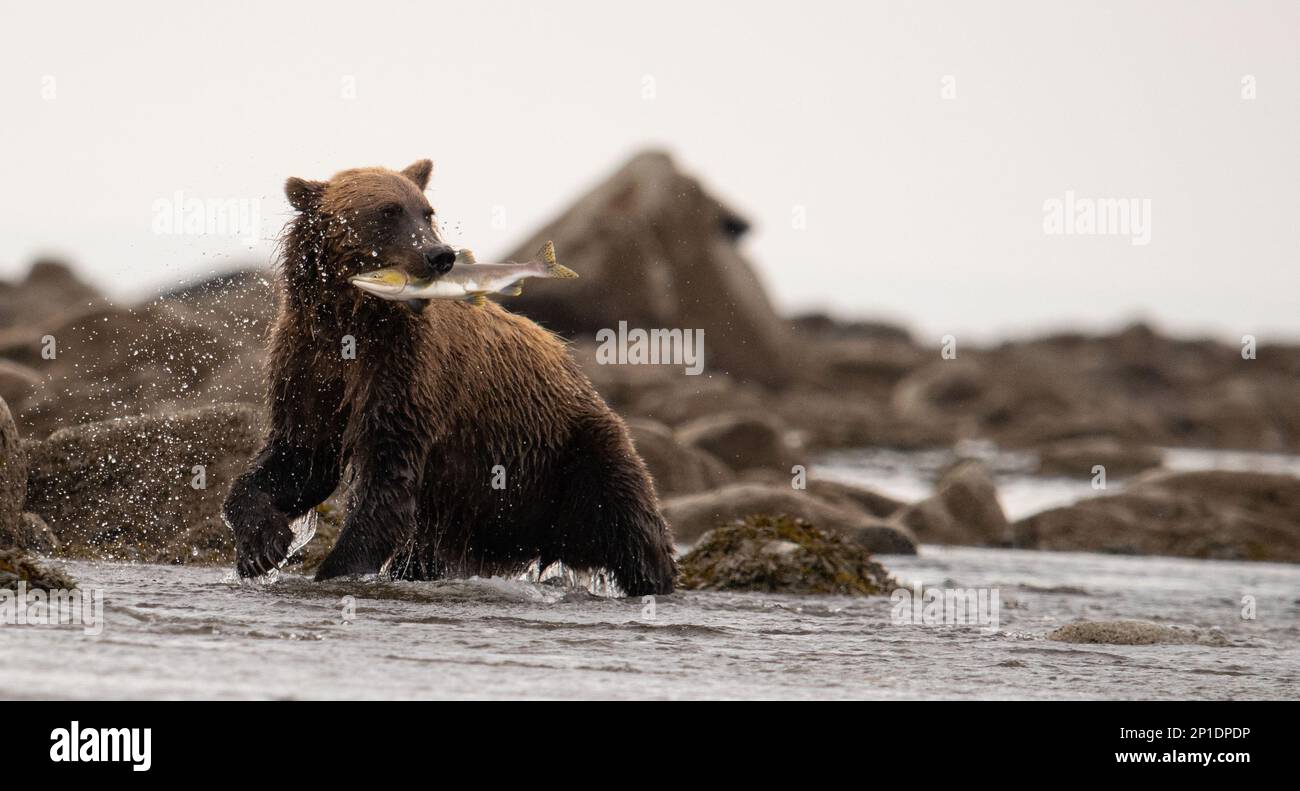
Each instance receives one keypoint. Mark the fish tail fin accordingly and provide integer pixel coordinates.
(554, 269)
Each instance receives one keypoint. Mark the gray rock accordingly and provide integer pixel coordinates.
(1077, 457)
(49, 290)
(853, 498)
(871, 502)
(677, 468)
(691, 516)
(30, 534)
(17, 382)
(654, 249)
(125, 488)
(1218, 515)
(1136, 633)
(117, 362)
(963, 510)
(17, 566)
(740, 440)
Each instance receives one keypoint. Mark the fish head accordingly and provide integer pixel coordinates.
(387, 282)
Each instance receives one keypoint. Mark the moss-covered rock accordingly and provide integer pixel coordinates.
(17, 566)
(779, 554)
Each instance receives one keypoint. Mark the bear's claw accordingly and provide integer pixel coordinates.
(261, 553)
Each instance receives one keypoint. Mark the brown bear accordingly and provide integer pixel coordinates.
(474, 443)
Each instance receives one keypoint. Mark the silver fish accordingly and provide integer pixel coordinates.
(467, 279)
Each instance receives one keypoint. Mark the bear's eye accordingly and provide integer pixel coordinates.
(391, 211)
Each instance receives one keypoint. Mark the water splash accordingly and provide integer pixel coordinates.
(597, 583)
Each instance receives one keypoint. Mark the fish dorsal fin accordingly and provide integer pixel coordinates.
(465, 256)
(547, 252)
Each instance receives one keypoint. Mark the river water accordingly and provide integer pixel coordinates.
(194, 632)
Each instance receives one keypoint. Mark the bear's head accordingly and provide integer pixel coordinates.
(360, 220)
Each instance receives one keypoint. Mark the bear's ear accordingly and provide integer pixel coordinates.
(304, 195)
(419, 172)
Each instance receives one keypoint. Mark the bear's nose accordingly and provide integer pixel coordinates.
(440, 259)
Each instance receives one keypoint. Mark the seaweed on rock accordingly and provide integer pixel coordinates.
(779, 554)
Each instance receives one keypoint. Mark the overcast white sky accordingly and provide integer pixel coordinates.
(918, 207)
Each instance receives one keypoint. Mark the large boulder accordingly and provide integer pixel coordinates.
(239, 307)
(623, 385)
(17, 382)
(740, 440)
(845, 495)
(13, 475)
(682, 399)
(869, 501)
(693, 515)
(241, 300)
(1250, 408)
(951, 392)
(830, 419)
(781, 555)
(821, 326)
(868, 360)
(113, 362)
(129, 488)
(1219, 515)
(49, 290)
(986, 395)
(31, 534)
(1134, 385)
(655, 250)
(677, 468)
(963, 510)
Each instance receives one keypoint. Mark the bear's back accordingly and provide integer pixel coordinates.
(499, 377)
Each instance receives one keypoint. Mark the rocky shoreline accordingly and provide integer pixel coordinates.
(122, 409)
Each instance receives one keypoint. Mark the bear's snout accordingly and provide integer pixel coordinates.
(440, 259)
